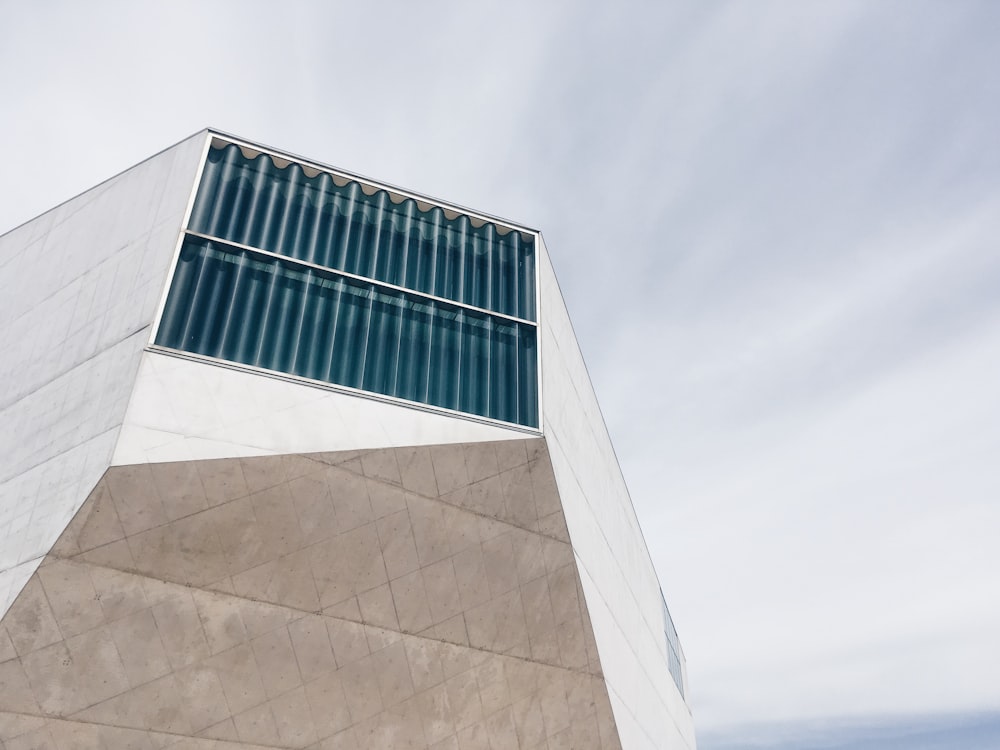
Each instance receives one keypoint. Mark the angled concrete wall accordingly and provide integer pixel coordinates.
(409, 598)
(79, 287)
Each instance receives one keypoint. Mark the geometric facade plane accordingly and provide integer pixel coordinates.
(409, 597)
(299, 459)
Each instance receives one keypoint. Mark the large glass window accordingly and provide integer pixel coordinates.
(319, 280)
(253, 202)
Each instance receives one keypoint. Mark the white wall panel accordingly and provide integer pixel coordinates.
(79, 287)
(183, 410)
(620, 582)
(12, 581)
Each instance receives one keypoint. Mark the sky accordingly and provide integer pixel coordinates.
(776, 228)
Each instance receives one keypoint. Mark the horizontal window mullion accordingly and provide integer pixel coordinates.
(360, 278)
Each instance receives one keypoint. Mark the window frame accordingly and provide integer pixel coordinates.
(216, 139)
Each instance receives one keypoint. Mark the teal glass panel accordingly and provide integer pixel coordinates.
(279, 315)
(282, 210)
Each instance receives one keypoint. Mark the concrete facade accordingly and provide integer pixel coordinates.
(179, 534)
(412, 597)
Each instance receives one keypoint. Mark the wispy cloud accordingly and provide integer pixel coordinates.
(776, 227)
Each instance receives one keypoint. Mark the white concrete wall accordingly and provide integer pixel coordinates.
(618, 577)
(183, 410)
(79, 287)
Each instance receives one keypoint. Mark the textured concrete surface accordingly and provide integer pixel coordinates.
(400, 598)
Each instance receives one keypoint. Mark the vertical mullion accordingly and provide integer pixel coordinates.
(459, 354)
(520, 399)
(432, 287)
(232, 309)
(337, 301)
(299, 321)
(340, 262)
(365, 332)
(270, 280)
(210, 333)
(430, 351)
(376, 237)
(489, 367)
(195, 294)
(393, 387)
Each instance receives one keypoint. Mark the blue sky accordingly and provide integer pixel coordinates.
(967, 731)
(777, 227)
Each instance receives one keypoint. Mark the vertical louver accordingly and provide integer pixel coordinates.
(321, 278)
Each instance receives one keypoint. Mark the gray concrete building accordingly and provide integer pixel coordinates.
(296, 459)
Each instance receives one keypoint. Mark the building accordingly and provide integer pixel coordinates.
(293, 458)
